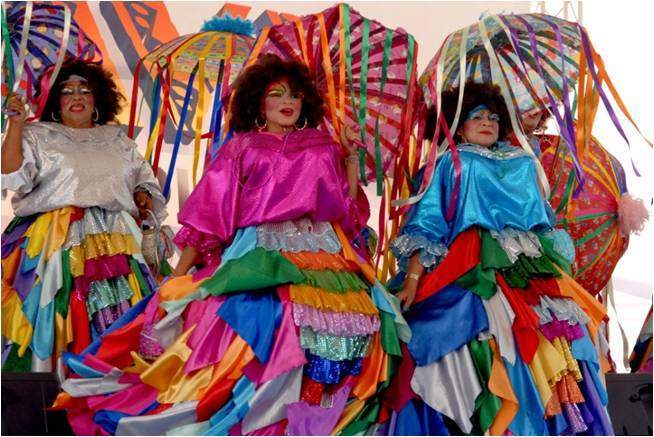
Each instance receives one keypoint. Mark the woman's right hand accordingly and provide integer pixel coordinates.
(17, 108)
(408, 293)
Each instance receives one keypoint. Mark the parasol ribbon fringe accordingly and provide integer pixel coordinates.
(590, 54)
(216, 119)
(506, 93)
(378, 157)
(135, 93)
(327, 68)
(22, 50)
(165, 88)
(154, 118)
(60, 58)
(608, 292)
(403, 204)
(603, 74)
(178, 137)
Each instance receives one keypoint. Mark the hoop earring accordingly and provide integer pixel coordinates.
(96, 114)
(54, 117)
(260, 127)
(304, 125)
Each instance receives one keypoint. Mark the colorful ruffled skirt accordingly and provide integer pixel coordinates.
(67, 276)
(291, 333)
(503, 342)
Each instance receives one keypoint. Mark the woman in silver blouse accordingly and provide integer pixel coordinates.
(71, 258)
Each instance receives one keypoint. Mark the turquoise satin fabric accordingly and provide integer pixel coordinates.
(499, 188)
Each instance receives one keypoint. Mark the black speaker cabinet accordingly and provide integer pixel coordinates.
(25, 397)
(630, 402)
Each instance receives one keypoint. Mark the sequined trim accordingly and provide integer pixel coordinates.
(107, 292)
(563, 309)
(330, 372)
(333, 347)
(298, 236)
(563, 346)
(335, 323)
(430, 252)
(348, 302)
(96, 221)
(516, 242)
(96, 246)
(105, 317)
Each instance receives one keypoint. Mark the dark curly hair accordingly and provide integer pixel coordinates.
(474, 94)
(108, 100)
(251, 85)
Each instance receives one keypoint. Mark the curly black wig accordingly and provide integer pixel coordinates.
(474, 94)
(108, 100)
(251, 85)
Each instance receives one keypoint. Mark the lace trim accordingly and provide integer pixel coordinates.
(107, 292)
(516, 242)
(298, 236)
(334, 323)
(430, 252)
(332, 347)
(188, 236)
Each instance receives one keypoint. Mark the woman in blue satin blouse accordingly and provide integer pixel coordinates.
(503, 340)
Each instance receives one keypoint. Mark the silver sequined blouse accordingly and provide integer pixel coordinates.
(64, 166)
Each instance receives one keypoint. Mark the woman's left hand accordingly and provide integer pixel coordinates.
(349, 135)
(143, 203)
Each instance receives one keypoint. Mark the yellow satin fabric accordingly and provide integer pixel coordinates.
(63, 333)
(37, 233)
(97, 245)
(349, 301)
(58, 230)
(15, 325)
(137, 295)
(350, 411)
(547, 368)
(500, 385)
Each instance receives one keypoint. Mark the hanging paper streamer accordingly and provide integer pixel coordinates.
(188, 72)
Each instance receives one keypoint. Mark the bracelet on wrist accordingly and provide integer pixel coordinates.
(413, 276)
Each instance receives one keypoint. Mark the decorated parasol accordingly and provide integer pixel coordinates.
(188, 72)
(37, 37)
(538, 61)
(365, 70)
(601, 216)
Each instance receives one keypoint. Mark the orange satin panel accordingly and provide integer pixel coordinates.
(350, 411)
(349, 301)
(236, 357)
(373, 371)
(318, 261)
(178, 288)
(500, 386)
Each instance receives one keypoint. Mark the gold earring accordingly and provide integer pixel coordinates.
(304, 125)
(260, 127)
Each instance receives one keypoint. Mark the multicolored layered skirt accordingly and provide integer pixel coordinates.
(67, 276)
(503, 342)
(291, 333)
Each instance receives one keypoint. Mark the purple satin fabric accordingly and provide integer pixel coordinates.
(305, 419)
(261, 178)
(561, 328)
